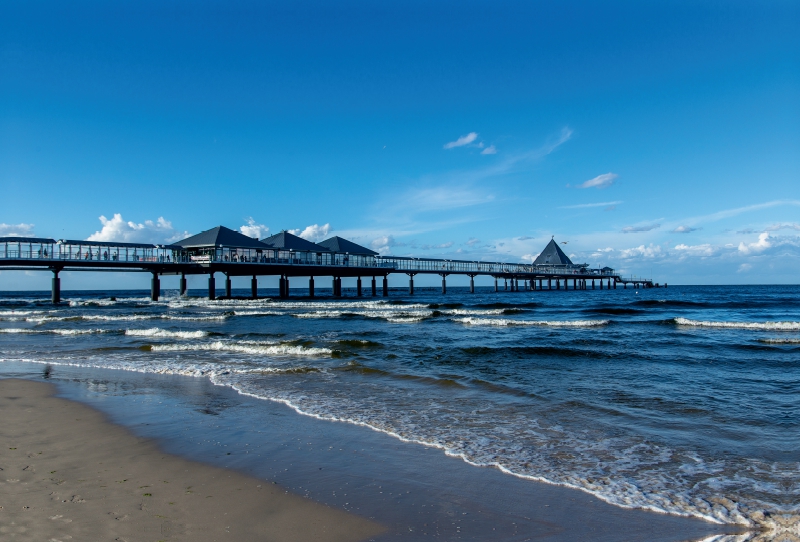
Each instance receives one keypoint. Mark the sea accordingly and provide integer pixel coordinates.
(683, 400)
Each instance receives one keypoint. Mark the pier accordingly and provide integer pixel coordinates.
(222, 250)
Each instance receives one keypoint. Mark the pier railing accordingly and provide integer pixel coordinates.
(61, 253)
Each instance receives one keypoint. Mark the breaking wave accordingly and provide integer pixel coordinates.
(251, 348)
(550, 323)
(772, 326)
(164, 333)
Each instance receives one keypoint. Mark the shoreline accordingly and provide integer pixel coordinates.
(409, 488)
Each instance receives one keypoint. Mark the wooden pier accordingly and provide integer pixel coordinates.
(225, 251)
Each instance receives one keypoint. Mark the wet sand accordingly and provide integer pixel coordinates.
(66, 473)
(415, 492)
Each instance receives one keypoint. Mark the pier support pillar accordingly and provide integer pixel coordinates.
(182, 288)
(374, 287)
(286, 287)
(609, 284)
(516, 285)
(601, 284)
(592, 284)
(624, 285)
(228, 286)
(615, 284)
(495, 284)
(411, 285)
(549, 284)
(212, 287)
(386, 286)
(444, 284)
(358, 287)
(505, 284)
(155, 287)
(472, 284)
(338, 286)
(282, 287)
(310, 286)
(558, 284)
(56, 289)
(541, 286)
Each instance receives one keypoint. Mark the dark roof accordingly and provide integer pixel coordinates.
(220, 237)
(338, 244)
(552, 255)
(287, 241)
(14, 239)
(82, 243)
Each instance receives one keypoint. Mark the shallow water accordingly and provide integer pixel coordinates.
(682, 400)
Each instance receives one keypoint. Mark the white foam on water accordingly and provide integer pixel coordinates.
(772, 326)
(164, 333)
(511, 322)
(254, 349)
(57, 331)
(125, 318)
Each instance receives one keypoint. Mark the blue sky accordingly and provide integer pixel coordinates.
(660, 138)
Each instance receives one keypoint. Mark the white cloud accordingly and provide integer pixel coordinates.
(16, 230)
(641, 252)
(705, 249)
(254, 230)
(116, 229)
(526, 257)
(588, 205)
(790, 226)
(762, 244)
(684, 229)
(641, 228)
(744, 268)
(383, 244)
(472, 241)
(443, 245)
(491, 149)
(461, 141)
(313, 233)
(601, 181)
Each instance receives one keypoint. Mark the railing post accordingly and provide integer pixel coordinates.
(56, 293)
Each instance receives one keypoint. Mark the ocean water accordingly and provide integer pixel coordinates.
(681, 400)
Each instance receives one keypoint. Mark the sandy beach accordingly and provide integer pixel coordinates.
(66, 473)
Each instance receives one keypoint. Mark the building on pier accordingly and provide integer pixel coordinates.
(221, 244)
(359, 255)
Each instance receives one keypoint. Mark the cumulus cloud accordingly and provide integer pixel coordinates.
(16, 230)
(601, 181)
(383, 244)
(761, 245)
(641, 251)
(530, 257)
(313, 233)
(491, 149)
(684, 229)
(117, 229)
(253, 229)
(705, 249)
(639, 229)
(461, 141)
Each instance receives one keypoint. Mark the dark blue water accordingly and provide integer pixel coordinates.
(683, 400)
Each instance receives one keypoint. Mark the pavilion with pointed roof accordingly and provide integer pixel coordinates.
(287, 241)
(220, 237)
(553, 255)
(340, 244)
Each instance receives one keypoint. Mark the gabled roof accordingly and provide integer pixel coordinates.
(220, 237)
(552, 255)
(339, 244)
(287, 241)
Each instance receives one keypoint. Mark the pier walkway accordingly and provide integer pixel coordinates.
(256, 259)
